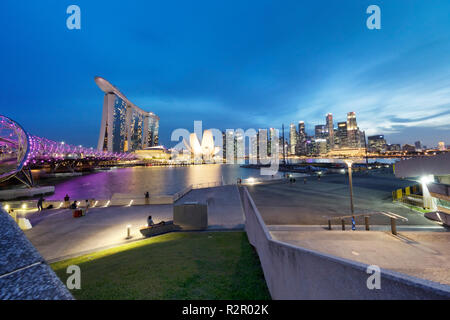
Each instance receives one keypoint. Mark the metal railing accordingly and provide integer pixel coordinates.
(394, 217)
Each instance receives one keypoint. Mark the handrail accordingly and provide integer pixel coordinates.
(366, 216)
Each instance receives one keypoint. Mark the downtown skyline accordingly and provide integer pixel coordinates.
(272, 65)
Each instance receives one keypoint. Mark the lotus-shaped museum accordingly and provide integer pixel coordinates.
(206, 150)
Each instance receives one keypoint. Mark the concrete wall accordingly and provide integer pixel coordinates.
(438, 165)
(10, 194)
(296, 273)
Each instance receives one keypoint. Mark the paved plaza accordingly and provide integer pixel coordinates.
(311, 203)
(421, 254)
(56, 234)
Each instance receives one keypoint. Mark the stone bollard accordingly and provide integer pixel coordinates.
(393, 226)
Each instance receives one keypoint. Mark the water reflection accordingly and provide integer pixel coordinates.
(156, 180)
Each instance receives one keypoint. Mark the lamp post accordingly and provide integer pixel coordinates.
(349, 166)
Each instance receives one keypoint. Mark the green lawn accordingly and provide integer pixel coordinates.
(203, 265)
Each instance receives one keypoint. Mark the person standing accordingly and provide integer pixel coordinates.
(39, 203)
(66, 201)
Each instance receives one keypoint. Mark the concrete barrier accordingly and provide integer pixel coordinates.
(297, 273)
(191, 216)
(11, 194)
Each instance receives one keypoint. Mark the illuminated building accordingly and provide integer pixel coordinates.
(418, 146)
(320, 131)
(301, 148)
(353, 134)
(408, 148)
(330, 130)
(262, 144)
(377, 143)
(342, 135)
(206, 150)
(393, 147)
(292, 139)
(273, 145)
(124, 127)
(154, 153)
(441, 146)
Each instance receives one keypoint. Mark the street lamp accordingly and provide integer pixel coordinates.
(349, 166)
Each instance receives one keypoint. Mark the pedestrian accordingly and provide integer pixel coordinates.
(87, 206)
(66, 201)
(304, 180)
(147, 198)
(39, 203)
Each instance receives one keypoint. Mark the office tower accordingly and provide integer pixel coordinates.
(320, 131)
(393, 147)
(353, 134)
(408, 148)
(262, 144)
(301, 139)
(292, 139)
(274, 142)
(230, 146)
(418, 146)
(240, 145)
(330, 130)
(124, 126)
(376, 143)
(342, 135)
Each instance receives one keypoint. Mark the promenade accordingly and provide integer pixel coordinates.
(424, 255)
(56, 234)
(311, 203)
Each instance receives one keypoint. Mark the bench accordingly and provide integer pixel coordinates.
(159, 228)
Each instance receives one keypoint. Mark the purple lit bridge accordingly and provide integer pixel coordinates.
(20, 152)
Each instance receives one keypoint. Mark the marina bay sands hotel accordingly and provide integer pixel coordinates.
(125, 127)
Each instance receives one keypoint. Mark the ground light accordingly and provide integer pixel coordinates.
(24, 206)
(427, 198)
(427, 179)
(6, 207)
(129, 231)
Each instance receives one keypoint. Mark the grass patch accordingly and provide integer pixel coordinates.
(416, 208)
(203, 265)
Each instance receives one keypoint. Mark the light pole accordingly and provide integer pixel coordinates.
(349, 166)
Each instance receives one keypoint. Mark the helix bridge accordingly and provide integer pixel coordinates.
(20, 152)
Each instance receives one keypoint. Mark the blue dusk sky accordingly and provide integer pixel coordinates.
(231, 64)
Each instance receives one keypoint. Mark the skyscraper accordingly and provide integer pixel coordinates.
(262, 144)
(124, 127)
(274, 142)
(320, 131)
(342, 135)
(301, 139)
(330, 130)
(292, 139)
(377, 143)
(418, 146)
(353, 135)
